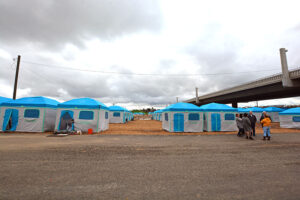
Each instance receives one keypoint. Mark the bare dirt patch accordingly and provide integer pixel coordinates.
(152, 127)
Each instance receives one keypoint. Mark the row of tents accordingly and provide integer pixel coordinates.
(186, 117)
(41, 114)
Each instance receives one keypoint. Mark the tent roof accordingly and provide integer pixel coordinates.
(138, 113)
(117, 108)
(88, 103)
(243, 110)
(32, 102)
(182, 107)
(4, 99)
(291, 111)
(217, 107)
(273, 109)
(255, 109)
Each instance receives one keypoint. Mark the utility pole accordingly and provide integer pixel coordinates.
(16, 77)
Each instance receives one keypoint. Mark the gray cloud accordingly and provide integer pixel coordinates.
(52, 24)
(66, 84)
(38, 28)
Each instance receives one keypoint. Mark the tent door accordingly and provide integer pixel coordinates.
(178, 122)
(215, 122)
(66, 120)
(10, 121)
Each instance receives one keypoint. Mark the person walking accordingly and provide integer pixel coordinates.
(266, 122)
(247, 126)
(253, 122)
(239, 124)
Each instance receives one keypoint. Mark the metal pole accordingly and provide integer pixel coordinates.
(16, 77)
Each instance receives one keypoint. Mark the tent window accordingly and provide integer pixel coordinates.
(32, 113)
(106, 115)
(86, 115)
(166, 117)
(194, 116)
(296, 118)
(116, 114)
(229, 116)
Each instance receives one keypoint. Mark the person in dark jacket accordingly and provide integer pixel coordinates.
(253, 122)
(247, 126)
(263, 114)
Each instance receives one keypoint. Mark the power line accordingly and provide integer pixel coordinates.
(143, 74)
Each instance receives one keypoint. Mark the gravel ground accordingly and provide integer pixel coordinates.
(34, 166)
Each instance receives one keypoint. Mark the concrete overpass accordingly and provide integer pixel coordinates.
(283, 85)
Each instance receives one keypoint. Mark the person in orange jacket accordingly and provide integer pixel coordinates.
(266, 122)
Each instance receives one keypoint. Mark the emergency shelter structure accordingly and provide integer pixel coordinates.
(182, 117)
(290, 118)
(81, 115)
(219, 117)
(28, 114)
(157, 115)
(118, 115)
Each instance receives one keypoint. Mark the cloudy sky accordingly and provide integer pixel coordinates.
(139, 53)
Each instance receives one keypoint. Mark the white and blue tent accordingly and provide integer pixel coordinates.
(28, 114)
(290, 118)
(82, 114)
(182, 117)
(273, 112)
(128, 115)
(219, 117)
(118, 115)
(257, 112)
(158, 115)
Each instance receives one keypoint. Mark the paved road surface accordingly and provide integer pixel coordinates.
(149, 167)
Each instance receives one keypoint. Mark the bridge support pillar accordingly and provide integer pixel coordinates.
(235, 104)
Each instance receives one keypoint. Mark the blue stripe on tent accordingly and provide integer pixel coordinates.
(291, 111)
(181, 107)
(255, 109)
(87, 103)
(178, 122)
(14, 115)
(117, 108)
(217, 107)
(71, 113)
(273, 109)
(32, 102)
(4, 99)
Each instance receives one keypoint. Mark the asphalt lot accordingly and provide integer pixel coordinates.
(149, 167)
